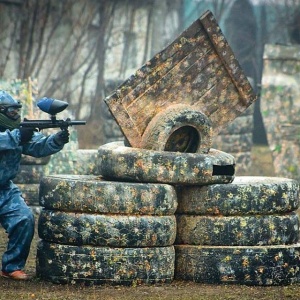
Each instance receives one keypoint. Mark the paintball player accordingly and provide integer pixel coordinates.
(15, 216)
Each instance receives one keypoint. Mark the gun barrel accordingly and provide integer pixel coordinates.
(77, 122)
(44, 124)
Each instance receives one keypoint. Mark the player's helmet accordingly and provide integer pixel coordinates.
(9, 111)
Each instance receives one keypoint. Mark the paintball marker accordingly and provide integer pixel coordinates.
(52, 107)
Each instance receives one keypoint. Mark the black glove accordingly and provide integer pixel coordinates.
(25, 135)
(61, 137)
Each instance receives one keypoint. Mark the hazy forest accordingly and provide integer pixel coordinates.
(79, 51)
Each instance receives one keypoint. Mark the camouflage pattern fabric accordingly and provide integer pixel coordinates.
(280, 107)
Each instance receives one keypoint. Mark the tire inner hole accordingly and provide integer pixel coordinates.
(184, 139)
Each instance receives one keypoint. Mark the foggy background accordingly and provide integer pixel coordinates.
(79, 51)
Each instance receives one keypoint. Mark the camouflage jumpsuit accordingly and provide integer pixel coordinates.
(15, 216)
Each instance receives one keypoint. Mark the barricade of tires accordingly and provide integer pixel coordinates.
(246, 232)
(241, 230)
(119, 229)
(95, 231)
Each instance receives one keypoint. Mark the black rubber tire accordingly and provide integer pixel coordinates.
(256, 265)
(106, 230)
(245, 195)
(141, 165)
(179, 128)
(98, 265)
(238, 230)
(89, 193)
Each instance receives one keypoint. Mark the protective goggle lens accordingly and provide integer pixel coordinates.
(11, 111)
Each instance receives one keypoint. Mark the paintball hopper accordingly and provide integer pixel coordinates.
(51, 106)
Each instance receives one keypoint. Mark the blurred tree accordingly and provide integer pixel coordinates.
(294, 26)
(74, 47)
(241, 31)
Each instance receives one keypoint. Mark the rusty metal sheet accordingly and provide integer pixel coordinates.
(198, 69)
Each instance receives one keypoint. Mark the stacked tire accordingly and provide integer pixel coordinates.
(119, 228)
(246, 232)
(125, 227)
(140, 166)
(241, 230)
(95, 231)
(118, 162)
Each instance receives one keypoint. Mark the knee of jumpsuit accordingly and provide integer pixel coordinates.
(18, 222)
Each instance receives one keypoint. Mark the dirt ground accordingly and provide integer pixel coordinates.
(37, 289)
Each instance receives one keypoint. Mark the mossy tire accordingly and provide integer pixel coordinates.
(245, 195)
(141, 165)
(256, 265)
(179, 128)
(238, 230)
(93, 194)
(59, 263)
(106, 230)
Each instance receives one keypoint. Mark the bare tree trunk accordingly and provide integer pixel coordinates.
(57, 45)
(105, 10)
